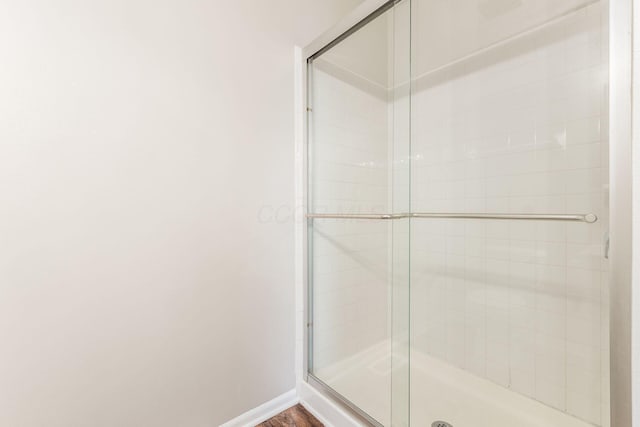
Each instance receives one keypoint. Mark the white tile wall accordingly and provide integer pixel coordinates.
(521, 129)
(350, 175)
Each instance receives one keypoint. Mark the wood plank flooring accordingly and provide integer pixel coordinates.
(296, 416)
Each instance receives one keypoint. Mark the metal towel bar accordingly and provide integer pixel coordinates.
(588, 218)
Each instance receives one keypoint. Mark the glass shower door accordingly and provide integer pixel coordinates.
(457, 214)
(358, 181)
(509, 316)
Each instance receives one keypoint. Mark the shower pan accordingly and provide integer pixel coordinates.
(458, 211)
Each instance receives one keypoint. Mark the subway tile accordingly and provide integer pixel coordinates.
(585, 405)
(550, 392)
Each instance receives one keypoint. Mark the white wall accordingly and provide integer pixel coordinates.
(141, 281)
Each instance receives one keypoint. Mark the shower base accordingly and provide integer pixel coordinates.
(440, 392)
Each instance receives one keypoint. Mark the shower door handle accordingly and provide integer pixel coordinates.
(588, 218)
(355, 216)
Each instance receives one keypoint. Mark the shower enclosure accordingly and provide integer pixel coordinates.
(457, 214)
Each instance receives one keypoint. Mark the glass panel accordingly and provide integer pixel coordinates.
(359, 164)
(509, 318)
(401, 203)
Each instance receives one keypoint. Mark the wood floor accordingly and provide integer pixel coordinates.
(296, 416)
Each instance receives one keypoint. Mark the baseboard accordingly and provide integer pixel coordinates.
(325, 410)
(265, 411)
(329, 414)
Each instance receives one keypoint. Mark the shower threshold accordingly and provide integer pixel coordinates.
(439, 391)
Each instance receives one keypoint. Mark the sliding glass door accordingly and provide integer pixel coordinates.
(359, 177)
(458, 214)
